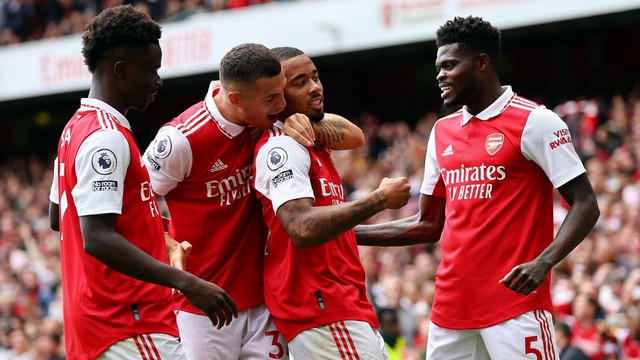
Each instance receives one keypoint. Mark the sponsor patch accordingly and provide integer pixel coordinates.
(152, 163)
(104, 162)
(562, 137)
(494, 143)
(276, 158)
(282, 177)
(162, 147)
(105, 185)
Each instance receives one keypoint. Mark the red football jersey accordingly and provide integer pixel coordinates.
(497, 171)
(588, 340)
(318, 285)
(201, 163)
(100, 171)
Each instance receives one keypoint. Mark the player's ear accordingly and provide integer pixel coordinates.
(483, 62)
(234, 97)
(118, 68)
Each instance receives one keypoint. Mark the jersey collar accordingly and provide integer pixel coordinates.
(91, 103)
(492, 110)
(231, 129)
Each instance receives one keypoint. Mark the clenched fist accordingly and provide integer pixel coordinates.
(395, 192)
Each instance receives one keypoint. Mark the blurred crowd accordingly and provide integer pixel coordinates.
(596, 289)
(26, 20)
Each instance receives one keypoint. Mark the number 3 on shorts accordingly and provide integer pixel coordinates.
(275, 337)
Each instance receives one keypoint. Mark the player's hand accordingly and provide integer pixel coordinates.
(299, 127)
(395, 191)
(526, 278)
(212, 301)
(178, 255)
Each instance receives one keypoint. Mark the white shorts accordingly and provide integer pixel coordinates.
(251, 336)
(145, 347)
(339, 340)
(528, 336)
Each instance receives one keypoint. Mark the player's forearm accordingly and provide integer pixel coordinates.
(337, 133)
(116, 252)
(576, 226)
(402, 232)
(311, 226)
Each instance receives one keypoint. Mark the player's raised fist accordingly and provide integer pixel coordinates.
(395, 192)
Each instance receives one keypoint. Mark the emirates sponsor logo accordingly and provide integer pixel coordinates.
(494, 142)
(332, 190)
(472, 182)
(231, 188)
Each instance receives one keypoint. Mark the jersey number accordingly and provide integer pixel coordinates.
(530, 350)
(275, 336)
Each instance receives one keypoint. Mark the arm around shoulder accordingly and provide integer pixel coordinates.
(337, 133)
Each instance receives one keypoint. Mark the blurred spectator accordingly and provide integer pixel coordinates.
(566, 351)
(394, 341)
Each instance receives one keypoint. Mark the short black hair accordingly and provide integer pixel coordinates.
(382, 312)
(286, 52)
(246, 63)
(473, 34)
(117, 27)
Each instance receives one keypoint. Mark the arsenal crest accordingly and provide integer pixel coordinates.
(494, 143)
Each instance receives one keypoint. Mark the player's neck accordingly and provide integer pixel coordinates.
(98, 92)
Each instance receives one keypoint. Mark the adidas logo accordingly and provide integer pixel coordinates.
(218, 165)
(448, 151)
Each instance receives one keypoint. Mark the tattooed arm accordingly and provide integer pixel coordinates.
(333, 131)
(309, 226)
(337, 133)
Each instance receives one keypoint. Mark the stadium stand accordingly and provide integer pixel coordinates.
(22, 21)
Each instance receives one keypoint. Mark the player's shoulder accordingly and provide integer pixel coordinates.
(523, 103)
(190, 120)
(275, 137)
(274, 132)
(96, 119)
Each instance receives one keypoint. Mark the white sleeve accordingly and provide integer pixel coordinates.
(168, 159)
(547, 142)
(431, 166)
(282, 171)
(53, 194)
(101, 165)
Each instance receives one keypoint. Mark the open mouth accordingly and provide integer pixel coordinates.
(445, 91)
(317, 103)
(272, 117)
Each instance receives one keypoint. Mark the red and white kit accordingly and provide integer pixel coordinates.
(201, 163)
(497, 171)
(310, 287)
(100, 171)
